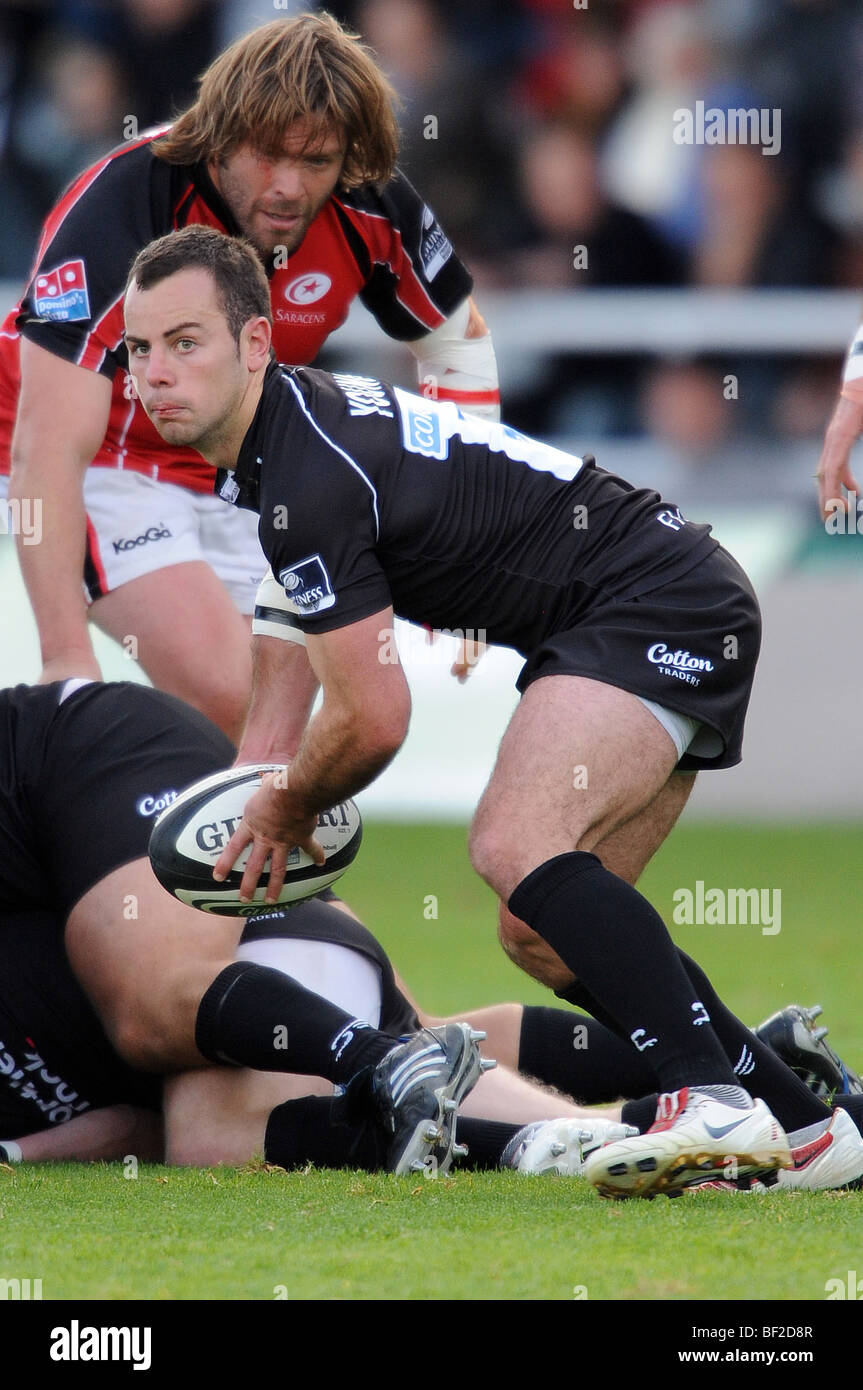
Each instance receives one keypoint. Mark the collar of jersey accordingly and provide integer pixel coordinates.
(247, 474)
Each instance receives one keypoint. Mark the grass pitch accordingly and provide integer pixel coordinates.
(91, 1233)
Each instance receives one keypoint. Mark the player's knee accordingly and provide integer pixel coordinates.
(147, 1043)
(492, 853)
(515, 936)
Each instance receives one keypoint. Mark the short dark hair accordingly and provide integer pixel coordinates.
(241, 284)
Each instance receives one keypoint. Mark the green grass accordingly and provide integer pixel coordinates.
(88, 1232)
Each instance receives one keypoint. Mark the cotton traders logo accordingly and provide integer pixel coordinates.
(308, 288)
(681, 664)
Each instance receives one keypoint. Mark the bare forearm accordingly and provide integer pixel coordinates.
(341, 754)
(53, 564)
(283, 692)
(111, 1133)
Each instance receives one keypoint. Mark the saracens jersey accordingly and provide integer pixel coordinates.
(370, 497)
(387, 248)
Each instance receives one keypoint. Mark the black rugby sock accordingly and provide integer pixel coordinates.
(309, 1130)
(618, 946)
(757, 1066)
(312, 1130)
(485, 1139)
(254, 1016)
(580, 1056)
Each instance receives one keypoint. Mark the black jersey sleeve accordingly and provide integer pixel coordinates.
(414, 278)
(73, 303)
(320, 510)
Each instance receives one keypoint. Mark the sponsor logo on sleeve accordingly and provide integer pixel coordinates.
(307, 586)
(61, 295)
(435, 248)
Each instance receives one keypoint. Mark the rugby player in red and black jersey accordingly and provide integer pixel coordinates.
(640, 635)
(292, 141)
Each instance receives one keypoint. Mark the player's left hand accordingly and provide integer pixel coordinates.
(272, 827)
(469, 653)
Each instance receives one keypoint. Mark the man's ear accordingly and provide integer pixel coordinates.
(255, 338)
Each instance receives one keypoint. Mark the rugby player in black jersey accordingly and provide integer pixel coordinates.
(86, 768)
(640, 635)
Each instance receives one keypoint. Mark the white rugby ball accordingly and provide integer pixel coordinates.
(190, 834)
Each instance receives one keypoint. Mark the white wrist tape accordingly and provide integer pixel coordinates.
(273, 616)
(13, 1150)
(451, 367)
(854, 361)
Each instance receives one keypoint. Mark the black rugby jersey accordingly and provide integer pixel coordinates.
(371, 496)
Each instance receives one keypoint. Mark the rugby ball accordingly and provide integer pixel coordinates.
(190, 834)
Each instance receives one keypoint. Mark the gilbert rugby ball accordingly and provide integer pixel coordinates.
(190, 834)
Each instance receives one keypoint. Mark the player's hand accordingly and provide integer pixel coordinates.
(469, 653)
(272, 827)
(66, 668)
(834, 469)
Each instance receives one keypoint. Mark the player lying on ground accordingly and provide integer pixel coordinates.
(641, 636)
(223, 1116)
(84, 766)
(82, 776)
(59, 1071)
(292, 140)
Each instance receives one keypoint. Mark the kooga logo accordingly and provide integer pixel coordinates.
(152, 533)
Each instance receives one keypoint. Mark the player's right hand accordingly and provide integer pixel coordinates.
(66, 668)
(834, 475)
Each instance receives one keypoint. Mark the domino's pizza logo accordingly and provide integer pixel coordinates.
(307, 586)
(61, 295)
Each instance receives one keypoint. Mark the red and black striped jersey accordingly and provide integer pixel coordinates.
(385, 247)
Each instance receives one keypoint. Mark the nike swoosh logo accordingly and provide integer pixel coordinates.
(724, 1129)
(803, 1156)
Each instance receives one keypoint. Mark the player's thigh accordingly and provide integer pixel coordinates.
(184, 630)
(628, 850)
(579, 759)
(146, 960)
(219, 1115)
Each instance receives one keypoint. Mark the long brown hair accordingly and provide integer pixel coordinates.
(308, 68)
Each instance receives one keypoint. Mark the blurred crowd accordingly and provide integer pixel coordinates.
(543, 134)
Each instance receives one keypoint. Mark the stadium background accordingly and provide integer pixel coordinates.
(699, 349)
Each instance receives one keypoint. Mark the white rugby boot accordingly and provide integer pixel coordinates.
(560, 1146)
(695, 1138)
